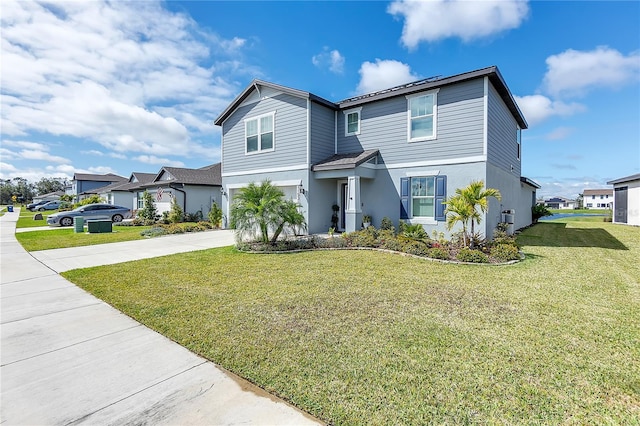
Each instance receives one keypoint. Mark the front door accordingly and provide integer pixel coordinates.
(343, 204)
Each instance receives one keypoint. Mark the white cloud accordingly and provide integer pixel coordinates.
(384, 74)
(331, 59)
(559, 133)
(574, 72)
(152, 159)
(44, 156)
(438, 19)
(127, 75)
(537, 108)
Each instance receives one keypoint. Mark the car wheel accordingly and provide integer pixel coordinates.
(117, 218)
(40, 209)
(66, 221)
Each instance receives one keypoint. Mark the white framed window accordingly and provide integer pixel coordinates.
(519, 142)
(259, 133)
(423, 196)
(352, 122)
(422, 116)
(140, 200)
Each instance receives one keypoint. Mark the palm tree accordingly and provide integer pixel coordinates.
(458, 210)
(476, 197)
(261, 207)
(463, 207)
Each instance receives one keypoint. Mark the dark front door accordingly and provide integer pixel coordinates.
(621, 204)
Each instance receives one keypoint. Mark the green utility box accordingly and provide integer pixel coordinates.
(78, 224)
(99, 226)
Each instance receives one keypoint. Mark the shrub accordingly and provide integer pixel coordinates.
(500, 235)
(176, 215)
(366, 238)
(438, 253)
(153, 232)
(205, 225)
(215, 215)
(505, 252)
(387, 225)
(538, 211)
(193, 217)
(415, 232)
(95, 198)
(411, 246)
(148, 213)
(174, 229)
(387, 240)
(472, 256)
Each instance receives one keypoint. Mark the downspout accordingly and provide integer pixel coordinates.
(184, 194)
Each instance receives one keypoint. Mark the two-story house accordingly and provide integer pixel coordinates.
(83, 183)
(396, 153)
(597, 198)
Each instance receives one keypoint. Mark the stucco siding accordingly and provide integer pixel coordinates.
(459, 127)
(515, 196)
(502, 149)
(322, 132)
(290, 136)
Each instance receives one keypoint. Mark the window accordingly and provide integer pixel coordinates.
(140, 200)
(259, 133)
(422, 117)
(352, 122)
(602, 197)
(422, 197)
(589, 205)
(593, 197)
(519, 141)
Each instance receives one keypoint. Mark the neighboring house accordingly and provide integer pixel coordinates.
(51, 196)
(560, 203)
(626, 200)
(195, 190)
(597, 198)
(122, 194)
(396, 153)
(82, 183)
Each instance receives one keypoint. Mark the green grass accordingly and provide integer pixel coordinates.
(26, 218)
(66, 237)
(364, 337)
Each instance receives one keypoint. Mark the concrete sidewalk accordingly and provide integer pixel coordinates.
(69, 358)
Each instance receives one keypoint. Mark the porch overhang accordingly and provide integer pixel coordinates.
(362, 164)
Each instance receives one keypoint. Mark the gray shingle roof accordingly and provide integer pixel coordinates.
(624, 179)
(208, 175)
(345, 161)
(110, 177)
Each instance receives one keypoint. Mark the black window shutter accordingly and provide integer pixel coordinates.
(404, 198)
(441, 195)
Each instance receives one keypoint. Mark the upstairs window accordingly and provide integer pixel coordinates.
(259, 134)
(352, 122)
(422, 117)
(519, 141)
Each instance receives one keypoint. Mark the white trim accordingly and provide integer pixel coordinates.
(476, 159)
(434, 115)
(423, 173)
(293, 182)
(271, 170)
(422, 220)
(258, 118)
(346, 121)
(485, 118)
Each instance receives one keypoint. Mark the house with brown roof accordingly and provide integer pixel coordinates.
(195, 190)
(597, 198)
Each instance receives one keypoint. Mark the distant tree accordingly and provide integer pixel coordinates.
(19, 187)
(48, 185)
(149, 212)
(95, 198)
(579, 201)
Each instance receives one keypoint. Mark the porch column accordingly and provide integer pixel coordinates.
(353, 212)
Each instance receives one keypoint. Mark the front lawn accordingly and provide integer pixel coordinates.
(365, 337)
(26, 219)
(66, 237)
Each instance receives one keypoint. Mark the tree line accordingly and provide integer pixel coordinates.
(24, 191)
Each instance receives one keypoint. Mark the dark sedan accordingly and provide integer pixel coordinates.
(89, 212)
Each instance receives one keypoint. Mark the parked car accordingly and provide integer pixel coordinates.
(88, 212)
(33, 206)
(51, 205)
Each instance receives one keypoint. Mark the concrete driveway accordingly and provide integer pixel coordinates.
(69, 358)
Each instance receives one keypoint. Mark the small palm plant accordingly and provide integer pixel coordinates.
(259, 208)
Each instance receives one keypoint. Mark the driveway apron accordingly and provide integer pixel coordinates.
(69, 358)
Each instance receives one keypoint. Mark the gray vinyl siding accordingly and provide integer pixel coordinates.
(459, 127)
(290, 135)
(502, 149)
(322, 132)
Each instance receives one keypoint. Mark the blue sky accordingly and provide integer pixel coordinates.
(118, 87)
